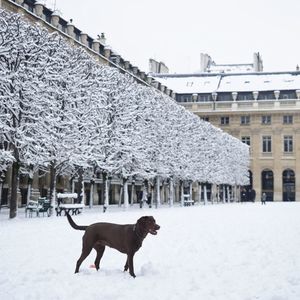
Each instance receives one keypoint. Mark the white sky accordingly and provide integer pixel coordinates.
(176, 31)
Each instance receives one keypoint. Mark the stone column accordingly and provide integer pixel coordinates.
(297, 166)
(256, 150)
(277, 163)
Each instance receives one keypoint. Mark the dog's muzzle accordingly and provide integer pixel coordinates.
(154, 230)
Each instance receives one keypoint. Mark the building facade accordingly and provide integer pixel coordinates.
(261, 109)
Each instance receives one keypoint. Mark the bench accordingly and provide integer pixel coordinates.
(188, 202)
(32, 206)
(73, 209)
(43, 205)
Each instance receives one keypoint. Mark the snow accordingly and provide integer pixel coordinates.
(208, 83)
(222, 251)
(67, 195)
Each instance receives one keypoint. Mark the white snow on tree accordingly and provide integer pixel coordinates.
(63, 112)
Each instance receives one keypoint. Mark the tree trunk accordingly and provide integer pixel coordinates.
(157, 192)
(199, 192)
(171, 187)
(28, 192)
(52, 185)
(92, 194)
(105, 189)
(14, 190)
(228, 194)
(205, 194)
(132, 192)
(235, 193)
(121, 195)
(181, 193)
(80, 190)
(125, 192)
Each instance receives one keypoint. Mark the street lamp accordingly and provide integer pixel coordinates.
(214, 96)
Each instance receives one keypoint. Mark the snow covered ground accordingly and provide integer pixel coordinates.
(232, 251)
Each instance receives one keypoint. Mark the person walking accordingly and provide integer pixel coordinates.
(263, 198)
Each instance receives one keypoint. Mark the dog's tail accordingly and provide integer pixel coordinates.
(73, 224)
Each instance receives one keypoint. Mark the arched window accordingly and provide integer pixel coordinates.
(267, 184)
(288, 185)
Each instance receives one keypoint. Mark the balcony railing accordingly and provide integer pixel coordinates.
(251, 105)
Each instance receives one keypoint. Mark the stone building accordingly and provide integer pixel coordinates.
(260, 108)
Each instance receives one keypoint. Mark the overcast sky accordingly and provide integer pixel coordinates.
(177, 31)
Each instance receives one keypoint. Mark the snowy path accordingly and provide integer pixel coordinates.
(223, 252)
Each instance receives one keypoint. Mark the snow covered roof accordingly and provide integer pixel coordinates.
(238, 82)
(231, 68)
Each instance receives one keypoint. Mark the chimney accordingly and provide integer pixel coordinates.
(38, 8)
(96, 45)
(257, 62)
(83, 38)
(55, 19)
(102, 38)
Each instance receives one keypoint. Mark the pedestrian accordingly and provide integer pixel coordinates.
(263, 198)
(243, 196)
(140, 198)
(252, 195)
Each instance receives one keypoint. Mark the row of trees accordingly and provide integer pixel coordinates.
(64, 113)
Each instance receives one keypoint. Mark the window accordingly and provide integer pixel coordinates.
(184, 98)
(224, 97)
(204, 97)
(266, 120)
(205, 119)
(263, 95)
(246, 140)
(224, 120)
(245, 120)
(287, 95)
(288, 143)
(287, 119)
(244, 96)
(267, 144)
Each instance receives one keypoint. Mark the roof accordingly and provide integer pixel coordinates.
(238, 82)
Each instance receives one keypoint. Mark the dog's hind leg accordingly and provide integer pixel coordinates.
(100, 250)
(86, 250)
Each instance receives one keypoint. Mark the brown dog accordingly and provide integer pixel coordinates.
(127, 239)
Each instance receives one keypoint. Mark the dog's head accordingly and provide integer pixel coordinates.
(148, 224)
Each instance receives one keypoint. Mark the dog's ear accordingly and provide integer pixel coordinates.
(146, 219)
(142, 219)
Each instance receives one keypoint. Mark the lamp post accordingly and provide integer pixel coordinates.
(195, 97)
(276, 94)
(214, 96)
(255, 95)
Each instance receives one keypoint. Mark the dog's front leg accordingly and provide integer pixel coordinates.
(130, 264)
(126, 265)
